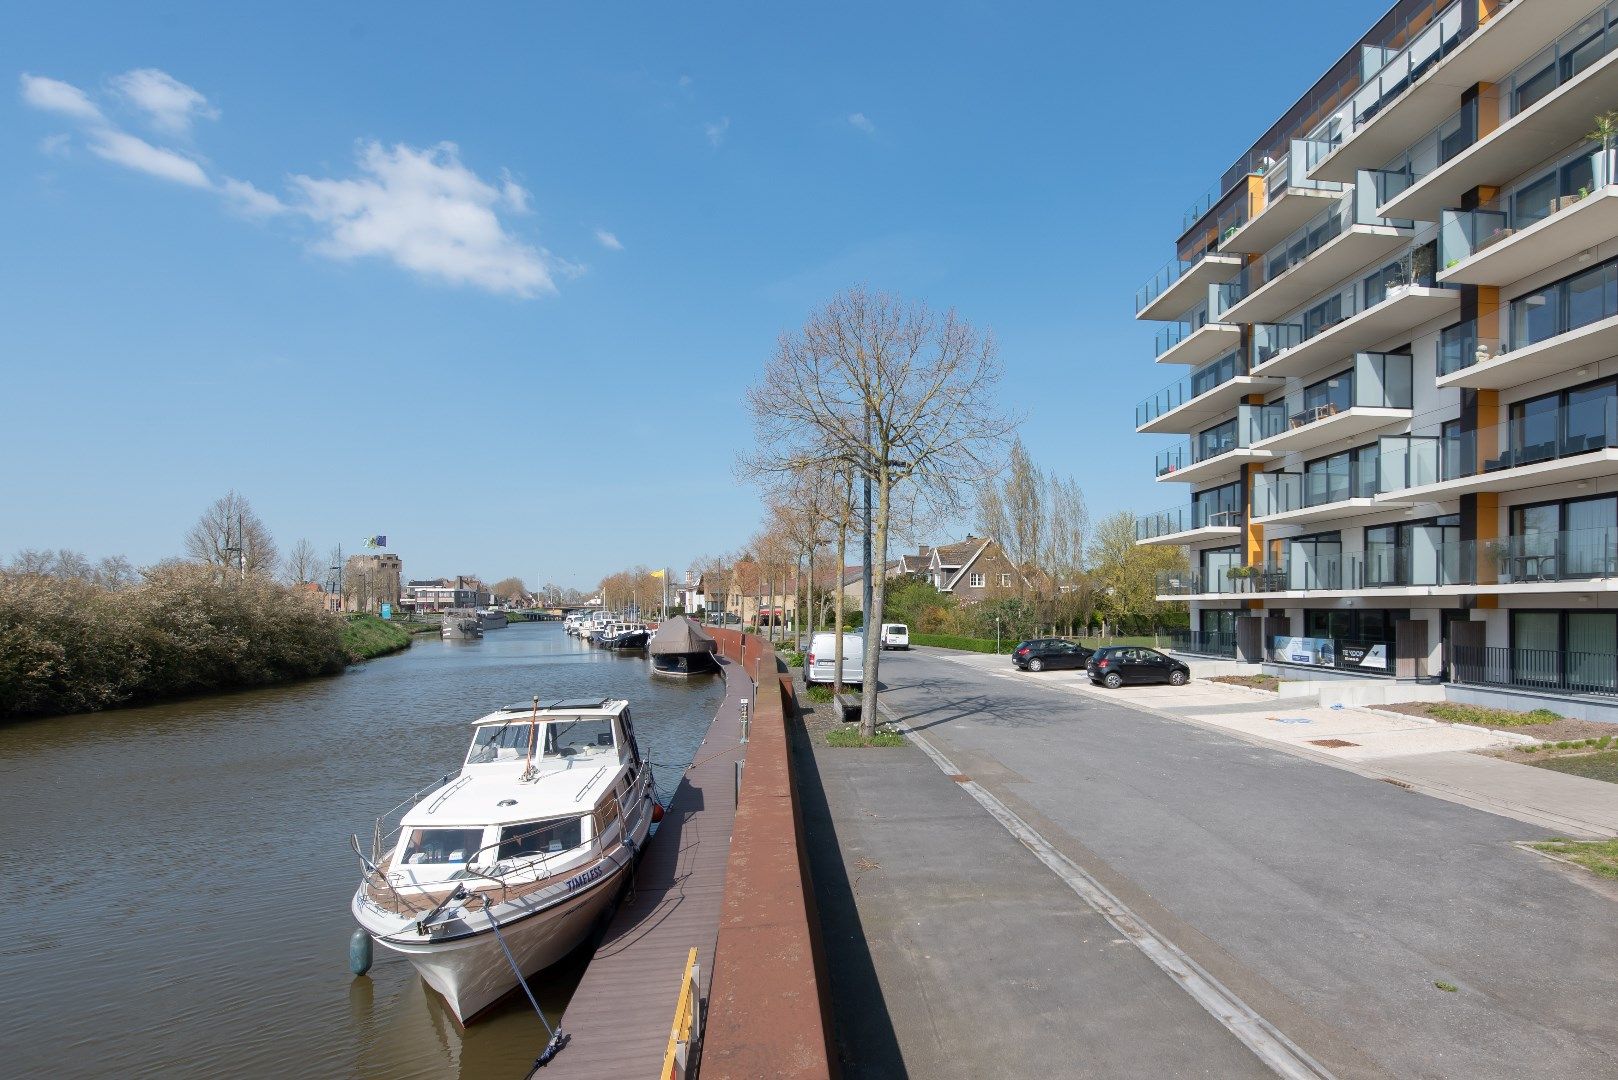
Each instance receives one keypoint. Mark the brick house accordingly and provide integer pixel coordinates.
(974, 570)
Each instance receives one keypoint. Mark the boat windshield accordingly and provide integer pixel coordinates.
(430, 846)
(558, 738)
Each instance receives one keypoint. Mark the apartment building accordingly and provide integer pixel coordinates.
(1397, 443)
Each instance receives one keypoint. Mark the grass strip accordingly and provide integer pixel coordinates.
(849, 735)
(1600, 857)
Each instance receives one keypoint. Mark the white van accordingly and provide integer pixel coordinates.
(820, 662)
(895, 635)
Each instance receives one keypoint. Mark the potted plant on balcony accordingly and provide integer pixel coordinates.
(1240, 575)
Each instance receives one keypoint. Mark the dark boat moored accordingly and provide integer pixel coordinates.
(681, 647)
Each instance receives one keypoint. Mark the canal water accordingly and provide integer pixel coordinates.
(178, 877)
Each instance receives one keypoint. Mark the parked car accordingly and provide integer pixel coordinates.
(820, 662)
(1114, 665)
(895, 635)
(1049, 653)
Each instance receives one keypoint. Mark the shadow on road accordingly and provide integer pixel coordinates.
(866, 1044)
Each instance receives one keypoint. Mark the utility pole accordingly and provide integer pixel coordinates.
(865, 560)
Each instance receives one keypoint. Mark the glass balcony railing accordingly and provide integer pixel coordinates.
(1575, 555)
(1175, 332)
(1464, 233)
(1186, 517)
(1163, 280)
(1537, 435)
(1537, 318)
(1193, 386)
(1414, 268)
(1449, 137)
(1400, 70)
(1593, 37)
(1377, 381)
(1237, 434)
(1283, 492)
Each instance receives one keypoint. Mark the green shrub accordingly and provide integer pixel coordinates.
(794, 659)
(819, 693)
(72, 646)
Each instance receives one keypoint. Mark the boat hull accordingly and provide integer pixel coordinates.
(682, 665)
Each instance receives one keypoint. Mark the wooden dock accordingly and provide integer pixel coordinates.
(618, 1020)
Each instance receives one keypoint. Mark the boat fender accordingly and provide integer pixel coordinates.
(359, 952)
(657, 811)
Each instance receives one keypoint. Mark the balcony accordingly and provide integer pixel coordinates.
(1183, 407)
(1569, 444)
(1330, 247)
(1467, 359)
(1420, 86)
(1179, 286)
(1377, 393)
(1291, 200)
(1295, 498)
(1581, 561)
(1213, 453)
(1188, 524)
(1407, 301)
(1486, 247)
(1586, 64)
(1191, 343)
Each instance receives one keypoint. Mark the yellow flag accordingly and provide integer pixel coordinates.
(657, 573)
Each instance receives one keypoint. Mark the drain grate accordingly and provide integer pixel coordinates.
(1332, 744)
(1396, 783)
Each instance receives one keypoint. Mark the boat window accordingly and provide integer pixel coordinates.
(606, 816)
(508, 742)
(442, 846)
(586, 735)
(540, 837)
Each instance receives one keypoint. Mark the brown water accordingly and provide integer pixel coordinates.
(178, 877)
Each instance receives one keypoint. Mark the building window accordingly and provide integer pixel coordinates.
(1005, 581)
(975, 580)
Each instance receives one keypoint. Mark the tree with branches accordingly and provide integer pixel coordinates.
(303, 564)
(888, 389)
(230, 536)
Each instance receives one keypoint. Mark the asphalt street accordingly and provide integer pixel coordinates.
(1331, 904)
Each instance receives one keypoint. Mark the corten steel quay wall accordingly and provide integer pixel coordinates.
(769, 1008)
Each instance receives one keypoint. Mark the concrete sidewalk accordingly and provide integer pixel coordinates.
(1425, 755)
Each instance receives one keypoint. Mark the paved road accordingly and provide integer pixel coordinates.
(1329, 902)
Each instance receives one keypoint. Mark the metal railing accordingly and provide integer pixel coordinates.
(1464, 233)
(1204, 380)
(1185, 518)
(1243, 432)
(1547, 670)
(1402, 69)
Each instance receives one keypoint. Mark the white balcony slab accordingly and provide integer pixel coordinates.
(1191, 288)
(1348, 424)
(1206, 342)
(1211, 468)
(1404, 309)
(1596, 465)
(1193, 415)
(1326, 266)
(1343, 508)
(1590, 221)
(1564, 352)
(1574, 586)
(1539, 132)
(1516, 32)
(1193, 536)
(1289, 212)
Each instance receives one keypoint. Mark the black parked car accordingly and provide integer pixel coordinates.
(1046, 653)
(1114, 665)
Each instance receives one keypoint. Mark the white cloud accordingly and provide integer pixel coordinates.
(862, 123)
(248, 199)
(52, 95)
(427, 212)
(170, 105)
(58, 145)
(140, 155)
(608, 240)
(716, 130)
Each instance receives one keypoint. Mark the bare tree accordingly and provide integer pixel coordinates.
(116, 572)
(302, 564)
(229, 535)
(509, 589)
(1025, 510)
(1068, 525)
(892, 390)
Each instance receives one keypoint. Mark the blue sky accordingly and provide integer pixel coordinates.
(345, 259)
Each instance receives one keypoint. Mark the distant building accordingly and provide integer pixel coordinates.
(974, 570)
(369, 581)
(321, 596)
(442, 594)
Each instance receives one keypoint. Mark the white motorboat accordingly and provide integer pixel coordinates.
(492, 619)
(522, 850)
